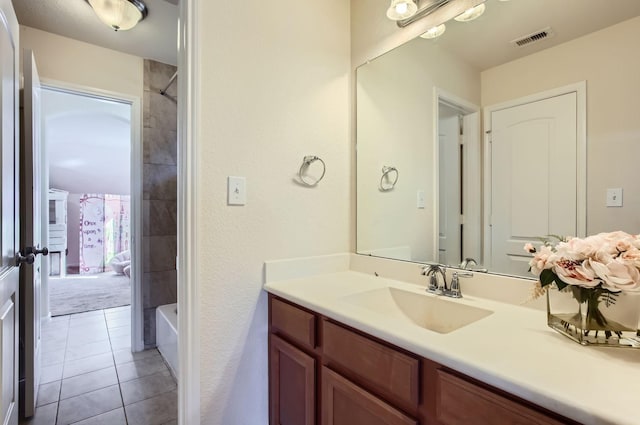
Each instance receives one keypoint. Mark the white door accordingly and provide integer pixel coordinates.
(9, 218)
(533, 178)
(31, 237)
(449, 197)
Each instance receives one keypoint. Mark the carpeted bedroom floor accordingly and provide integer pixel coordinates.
(79, 293)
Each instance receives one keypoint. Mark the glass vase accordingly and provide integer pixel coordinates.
(595, 316)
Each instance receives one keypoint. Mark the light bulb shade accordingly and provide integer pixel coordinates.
(434, 32)
(471, 14)
(401, 9)
(119, 14)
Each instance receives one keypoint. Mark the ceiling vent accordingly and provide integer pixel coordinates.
(534, 37)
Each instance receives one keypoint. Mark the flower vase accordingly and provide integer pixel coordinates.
(595, 316)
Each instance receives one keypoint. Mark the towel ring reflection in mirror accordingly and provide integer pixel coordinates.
(306, 163)
(386, 184)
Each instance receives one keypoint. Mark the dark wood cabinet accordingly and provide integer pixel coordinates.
(292, 384)
(293, 322)
(391, 373)
(345, 403)
(462, 402)
(322, 372)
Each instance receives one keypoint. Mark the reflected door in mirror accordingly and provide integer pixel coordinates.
(533, 178)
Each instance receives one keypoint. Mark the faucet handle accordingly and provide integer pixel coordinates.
(434, 287)
(430, 271)
(455, 291)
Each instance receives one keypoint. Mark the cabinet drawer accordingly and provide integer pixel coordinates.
(390, 372)
(293, 322)
(462, 402)
(343, 403)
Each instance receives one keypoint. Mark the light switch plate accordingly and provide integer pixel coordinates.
(614, 197)
(236, 190)
(420, 199)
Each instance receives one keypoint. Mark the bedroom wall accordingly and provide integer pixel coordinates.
(159, 205)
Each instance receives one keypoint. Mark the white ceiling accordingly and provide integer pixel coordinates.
(88, 142)
(485, 42)
(153, 38)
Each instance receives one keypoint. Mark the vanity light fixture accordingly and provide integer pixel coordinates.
(434, 32)
(401, 9)
(120, 15)
(471, 14)
(424, 8)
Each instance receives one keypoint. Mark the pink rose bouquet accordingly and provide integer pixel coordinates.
(608, 261)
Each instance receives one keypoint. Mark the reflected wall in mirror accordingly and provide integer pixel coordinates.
(498, 144)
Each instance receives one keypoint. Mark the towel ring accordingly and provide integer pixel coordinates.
(388, 185)
(306, 162)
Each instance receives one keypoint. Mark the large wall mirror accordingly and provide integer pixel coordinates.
(504, 129)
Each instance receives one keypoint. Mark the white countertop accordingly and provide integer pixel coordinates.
(512, 349)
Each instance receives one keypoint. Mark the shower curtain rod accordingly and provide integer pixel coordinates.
(164, 92)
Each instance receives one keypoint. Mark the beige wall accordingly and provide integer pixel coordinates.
(70, 61)
(396, 97)
(274, 88)
(608, 60)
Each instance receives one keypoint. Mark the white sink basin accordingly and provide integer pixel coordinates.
(434, 313)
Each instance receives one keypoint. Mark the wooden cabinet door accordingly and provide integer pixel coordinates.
(344, 403)
(292, 385)
(460, 402)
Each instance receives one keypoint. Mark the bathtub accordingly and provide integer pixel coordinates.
(167, 335)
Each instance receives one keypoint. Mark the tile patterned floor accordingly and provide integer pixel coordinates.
(90, 377)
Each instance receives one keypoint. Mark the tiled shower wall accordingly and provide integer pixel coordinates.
(159, 193)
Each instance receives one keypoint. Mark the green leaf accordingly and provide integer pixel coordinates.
(547, 277)
(560, 284)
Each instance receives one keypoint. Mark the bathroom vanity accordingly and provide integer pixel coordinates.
(346, 348)
(324, 372)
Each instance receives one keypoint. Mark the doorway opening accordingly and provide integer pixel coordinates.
(92, 332)
(87, 143)
(458, 188)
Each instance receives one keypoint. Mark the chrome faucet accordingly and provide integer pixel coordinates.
(432, 273)
(467, 262)
(440, 288)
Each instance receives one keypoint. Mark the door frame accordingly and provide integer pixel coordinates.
(580, 89)
(443, 96)
(189, 89)
(137, 310)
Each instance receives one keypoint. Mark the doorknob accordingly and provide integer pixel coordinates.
(25, 259)
(35, 251)
(44, 251)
